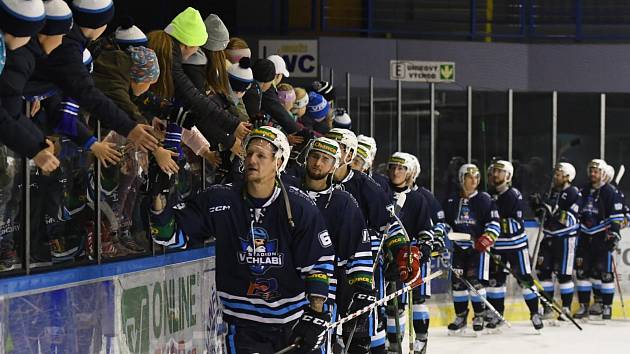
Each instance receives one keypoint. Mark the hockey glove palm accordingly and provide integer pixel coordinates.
(309, 332)
(408, 262)
(483, 243)
(361, 299)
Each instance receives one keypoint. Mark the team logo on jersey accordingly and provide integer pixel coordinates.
(264, 288)
(465, 217)
(260, 252)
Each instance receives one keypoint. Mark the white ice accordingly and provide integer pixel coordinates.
(611, 338)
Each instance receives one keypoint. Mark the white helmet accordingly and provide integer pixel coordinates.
(467, 169)
(364, 154)
(369, 143)
(506, 166)
(328, 147)
(347, 138)
(417, 168)
(597, 163)
(609, 173)
(277, 139)
(567, 170)
(403, 159)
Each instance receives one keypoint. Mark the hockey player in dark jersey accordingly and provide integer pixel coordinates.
(557, 250)
(374, 204)
(415, 214)
(351, 287)
(474, 213)
(601, 215)
(274, 255)
(364, 161)
(511, 247)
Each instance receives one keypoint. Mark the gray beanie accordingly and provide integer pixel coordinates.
(218, 35)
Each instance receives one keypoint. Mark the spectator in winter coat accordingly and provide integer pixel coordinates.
(271, 103)
(64, 67)
(19, 21)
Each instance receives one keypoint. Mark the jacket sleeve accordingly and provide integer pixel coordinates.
(197, 101)
(21, 136)
(194, 140)
(272, 106)
(64, 67)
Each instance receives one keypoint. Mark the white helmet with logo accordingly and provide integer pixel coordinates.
(567, 170)
(506, 166)
(403, 159)
(369, 143)
(598, 164)
(467, 169)
(348, 139)
(328, 147)
(277, 139)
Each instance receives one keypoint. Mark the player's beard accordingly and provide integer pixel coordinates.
(316, 176)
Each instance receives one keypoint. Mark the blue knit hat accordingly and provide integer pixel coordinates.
(58, 18)
(92, 13)
(317, 107)
(22, 18)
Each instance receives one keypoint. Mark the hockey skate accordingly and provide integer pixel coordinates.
(537, 322)
(595, 313)
(420, 346)
(606, 312)
(478, 323)
(582, 313)
(548, 316)
(458, 326)
(493, 324)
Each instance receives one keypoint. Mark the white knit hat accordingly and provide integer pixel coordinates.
(128, 34)
(240, 75)
(281, 66)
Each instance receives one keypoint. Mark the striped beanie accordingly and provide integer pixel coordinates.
(92, 13)
(22, 18)
(58, 18)
(240, 75)
(127, 34)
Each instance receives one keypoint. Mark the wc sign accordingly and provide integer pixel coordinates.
(300, 55)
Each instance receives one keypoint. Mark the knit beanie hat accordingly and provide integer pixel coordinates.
(58, 18)
(218, 35)
(264, 70)
(88, 61)
(92, 13)
(281, 66)
(317, 107)
(22, 18)
(144, 65)
(240, 75)
(127, 34)
(341, 119)
(325, 89)
(188, 28)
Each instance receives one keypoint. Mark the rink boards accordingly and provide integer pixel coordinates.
(160, 304)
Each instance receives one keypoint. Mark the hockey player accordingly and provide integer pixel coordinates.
(474, 213)
(557, 250)
(274, 255)
(601, 216)
(373, 203)
(364, 161)
(511, 247)
(415, 214)
(350, 239)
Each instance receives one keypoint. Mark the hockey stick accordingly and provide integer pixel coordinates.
(397, 321)
(623, 305)
(622, 170)
(539, 238)
(538, 290)
(408, 286)
(476, 292)
(458, 236)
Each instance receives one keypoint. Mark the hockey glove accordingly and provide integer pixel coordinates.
(438, 244)
(158, 182)
(309, 332)
(361, 299)
(408, 262)
(612, 240)
(483, 243)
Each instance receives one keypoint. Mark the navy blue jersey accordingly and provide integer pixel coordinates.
(510, 207)
(437, 214)
(601, 209)
(415, 215)
(383, 182)
(265, 267)
(349, 236)
(374, 204)
(565, 206)
(474, 215)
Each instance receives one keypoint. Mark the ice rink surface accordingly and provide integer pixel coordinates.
(611, 338)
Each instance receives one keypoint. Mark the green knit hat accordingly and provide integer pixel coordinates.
(188, 28)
